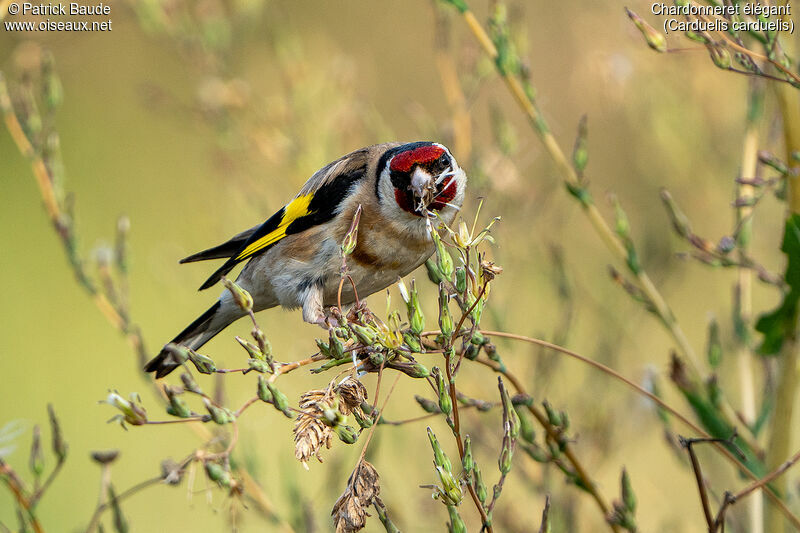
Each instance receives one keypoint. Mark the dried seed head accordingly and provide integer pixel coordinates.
(352, 392)
(490, 270)
(105, 457)
(349, 512)
(310, 431)
(171, 472)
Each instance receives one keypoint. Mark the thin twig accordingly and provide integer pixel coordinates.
(724, 451)
(8, 475)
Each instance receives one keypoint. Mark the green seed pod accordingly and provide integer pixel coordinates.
(177, 405)
(203, 364)
(526, 430)
(346, 434)
(412, 342)
(461, 279)
(654, 38)
(324, 348)
(36, 459)
(60, 447)
(179, 354)
(336, 345)
(190, 384)
(132, 413)
(680, 222)
(218, 475)
(628, 496)
(411, 369)
(252, 350)
(429, 406)
(552, 415)
(259, 366)
(506, 453)
(714, 347)
(444, 261)
(364, 334)
(471, 352)
(451, 489)
(439, 457)
(456, 524)
(415, 317)
(219, 415)
(263, 390)
(52, 90)
(468, 462)
(480, 486)
(279, 400)
(536, 453)
(242, 298)
(510, 418)
(263, 343)
(720, 56)
(434, 274)
(364, 422)
(330, 364)
(445, 317)
(351, 238)
(445, 402)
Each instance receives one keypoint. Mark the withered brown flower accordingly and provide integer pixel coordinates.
(350, 510)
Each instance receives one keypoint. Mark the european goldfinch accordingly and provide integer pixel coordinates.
(294, 257)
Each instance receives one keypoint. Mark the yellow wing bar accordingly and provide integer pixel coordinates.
(295, 209)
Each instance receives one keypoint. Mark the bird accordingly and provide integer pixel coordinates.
(294, 257)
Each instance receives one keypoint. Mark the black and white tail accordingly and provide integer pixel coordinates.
(194, 336)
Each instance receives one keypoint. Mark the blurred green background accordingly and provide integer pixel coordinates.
(203, 120)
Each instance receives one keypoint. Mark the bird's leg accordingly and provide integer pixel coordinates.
(314, 312)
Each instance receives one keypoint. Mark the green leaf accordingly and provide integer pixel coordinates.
(780, 323)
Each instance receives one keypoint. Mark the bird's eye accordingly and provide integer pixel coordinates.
(442, 163)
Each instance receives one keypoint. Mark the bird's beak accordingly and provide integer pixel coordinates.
(421, 183)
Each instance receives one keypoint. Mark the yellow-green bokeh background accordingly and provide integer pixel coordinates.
(325, 78)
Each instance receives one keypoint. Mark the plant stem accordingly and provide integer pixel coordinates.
(553, 433)
(607, 235)
(744, 285)
(457, 434)
(8, 475)
(786, 391)
(778, 503)
(570, 177)
(112, 314)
